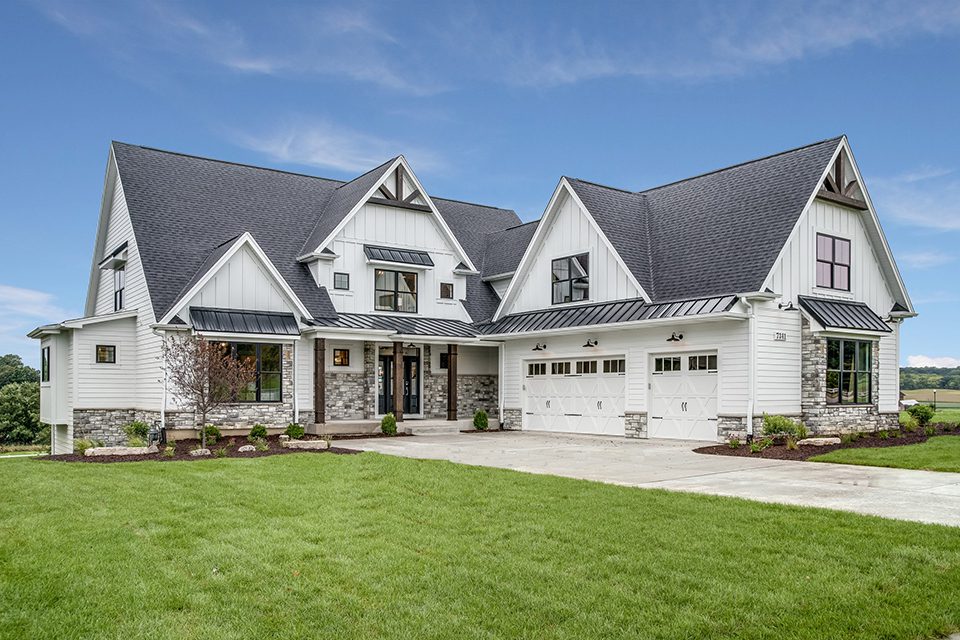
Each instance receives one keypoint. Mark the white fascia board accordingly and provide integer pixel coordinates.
(541, 231)
(401, 161)
(848, 333)
(248, 240)
(339, 333)
(465, 272)
(403, 337)
(603, 328)
(46, 330)
(318, 255)
(106, 204)
(404, 265)
(246, 337)
(499, 276)
(79, 323)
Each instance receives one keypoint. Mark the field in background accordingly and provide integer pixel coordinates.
(945, 397)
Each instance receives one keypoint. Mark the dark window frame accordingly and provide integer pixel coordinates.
(444, 359)
(536, 369)
(233, 348)
(345, 275)
(341, 352)
(395, 291)
(119, 284)
(449, 287)
(833, 263)
(616, 366)
(110, 348)
(45, 364)
(569, 280)
(841, 373)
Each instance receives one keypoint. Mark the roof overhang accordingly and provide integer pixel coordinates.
(243, 322)
(116, 259)
(826, 314)
(604, 328)
(79, 323)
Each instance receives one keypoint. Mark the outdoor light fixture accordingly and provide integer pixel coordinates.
(590, 343)
(540, 347)
(675, 337)
(787, 307)
(411, 346)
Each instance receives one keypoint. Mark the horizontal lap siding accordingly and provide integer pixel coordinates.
(778, 362)
(889, 382)
(107, 386)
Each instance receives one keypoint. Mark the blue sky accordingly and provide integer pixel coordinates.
(491, 102)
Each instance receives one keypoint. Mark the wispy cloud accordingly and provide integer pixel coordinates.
(322, 143)
(925, 259)
(935, 297)
(20, 311)
(935, 361)
(927, 197)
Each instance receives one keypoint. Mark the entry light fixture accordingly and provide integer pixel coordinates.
(590, 343)
(788, 306)
(540, 347)
(675, 337)
(411, 346)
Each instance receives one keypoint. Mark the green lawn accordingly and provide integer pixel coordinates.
(936, 454)
(950, 416)
(369, 546)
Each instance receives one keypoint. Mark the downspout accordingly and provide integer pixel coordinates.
(751, 365)
(501, 348)
(296, 391)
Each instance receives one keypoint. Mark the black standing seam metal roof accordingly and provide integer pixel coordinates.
(615, 312)
(401, 256)
(234, 321)
(843, 314)
(413, 326)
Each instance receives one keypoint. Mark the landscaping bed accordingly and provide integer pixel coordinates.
(182, 449)
(779, 450)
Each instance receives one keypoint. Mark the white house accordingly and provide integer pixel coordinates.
(684, 311)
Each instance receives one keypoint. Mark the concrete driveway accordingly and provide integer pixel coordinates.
(922, 496)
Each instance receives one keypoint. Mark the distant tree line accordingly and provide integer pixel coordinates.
(929, 378)
(20, 403)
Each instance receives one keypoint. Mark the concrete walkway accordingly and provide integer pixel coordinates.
(922, 496)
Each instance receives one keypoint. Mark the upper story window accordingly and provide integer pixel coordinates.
(833, 262)
(849, 372)
(45, 364)
(395, 291)
(119, 282)
(341, 281)
(570, 277)
(446, 290)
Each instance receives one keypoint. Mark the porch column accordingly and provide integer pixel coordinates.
(398, 381)
(319, 380)
(451, 382)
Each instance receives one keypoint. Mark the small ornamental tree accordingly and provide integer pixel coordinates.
(203, 375)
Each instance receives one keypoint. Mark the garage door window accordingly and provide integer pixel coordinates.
(702, 363)
(560, 368)
(615, 366)
(666, 365)
(536, 369)
(586, 367)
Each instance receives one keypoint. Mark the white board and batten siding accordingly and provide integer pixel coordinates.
(400, 228)
(569, 233)
(727, 338)
(242, 283)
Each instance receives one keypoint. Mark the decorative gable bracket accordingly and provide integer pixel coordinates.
(841, 186)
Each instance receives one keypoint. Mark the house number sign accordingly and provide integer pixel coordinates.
(780, 336)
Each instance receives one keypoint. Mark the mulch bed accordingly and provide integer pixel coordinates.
(184, 447)
(779, 451)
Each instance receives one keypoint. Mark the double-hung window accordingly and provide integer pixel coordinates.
(849, 373)
(119, 282)
(570, 278)
(267, 384)
(833, 262)
(395, 291)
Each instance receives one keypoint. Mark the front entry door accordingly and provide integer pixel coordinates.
(411, 385)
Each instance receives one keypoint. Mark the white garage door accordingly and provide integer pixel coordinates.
(683, 402)
(575, 396)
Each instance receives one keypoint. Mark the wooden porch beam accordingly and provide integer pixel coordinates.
(320, 380)
(451, 382)
(398, 381)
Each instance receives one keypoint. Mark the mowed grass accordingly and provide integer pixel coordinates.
(946, 415)
(370, 546)
(945, 397)
(936, 454)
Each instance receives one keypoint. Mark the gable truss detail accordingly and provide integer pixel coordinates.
(838, 188)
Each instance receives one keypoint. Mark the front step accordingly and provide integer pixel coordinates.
(429, 429)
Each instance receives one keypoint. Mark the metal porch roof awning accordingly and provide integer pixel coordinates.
(400, 256)
(435, 327)
(607, 313)
(843, 314)
(238, 321)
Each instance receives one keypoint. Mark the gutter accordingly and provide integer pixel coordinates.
(616, 326)
(749, 299)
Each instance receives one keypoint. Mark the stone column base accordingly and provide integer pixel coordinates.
(511, 419)
(635, 424)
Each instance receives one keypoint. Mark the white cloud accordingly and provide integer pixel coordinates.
(22, 310)
(925, 259)
(927, 361)
(321, 143)
(927, 197)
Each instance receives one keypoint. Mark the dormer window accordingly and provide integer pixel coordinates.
(395, 291)
(119, 283)
(571, 278)
(833, 262)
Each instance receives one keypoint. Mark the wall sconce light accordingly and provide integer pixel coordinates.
(787, 307)
(540, 347)
(411, 346)
(675, 337)
(590, 343)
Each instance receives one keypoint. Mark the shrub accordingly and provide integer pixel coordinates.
(137, 429)
(922, 412)
(136, 441)
(261, 444)
(883, 435)
(759, 445)
(802, 432)
(82, 444)
(20, 413)
(257, 432)
(791, 443)
(909, 423)
(847, 438)
(295, 431)
(733, 443)
(213, 434)
(930, 430)
(480, 420)
(779, 425)
(221, 452)
(388, 425)
(169, 450)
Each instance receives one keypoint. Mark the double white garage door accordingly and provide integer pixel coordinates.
(589, 396)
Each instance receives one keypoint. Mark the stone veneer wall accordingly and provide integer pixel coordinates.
(736, 427)
(817, 415)
(473, 392)
(635, 424)
(511, 419)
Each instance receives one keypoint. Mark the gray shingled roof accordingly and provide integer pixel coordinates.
(504, 249)
(186, 210)
(713, 234)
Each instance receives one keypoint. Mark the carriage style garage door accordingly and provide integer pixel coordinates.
(575, 396)
(683, 396)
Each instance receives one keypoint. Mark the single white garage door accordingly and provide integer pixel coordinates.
(575, 396)
(683, 396)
